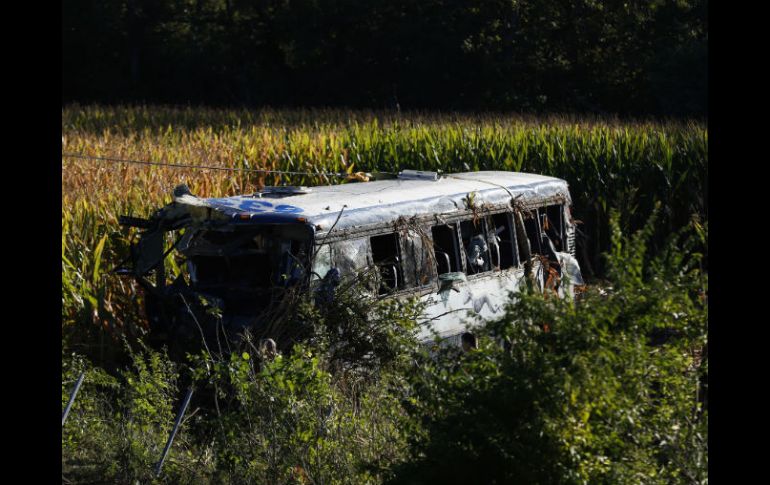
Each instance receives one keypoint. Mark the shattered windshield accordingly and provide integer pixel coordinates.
(248, 258)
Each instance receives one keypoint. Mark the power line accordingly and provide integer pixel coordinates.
(201, 167)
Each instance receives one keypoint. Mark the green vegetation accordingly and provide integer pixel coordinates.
(608, 390)
(607, 163)
(605, 391)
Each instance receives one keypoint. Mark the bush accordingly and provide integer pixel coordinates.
(118, 426)
(360, 333)
(292, 421)
(609, 389)
(88, 438)
(604, 391)
(326, 411)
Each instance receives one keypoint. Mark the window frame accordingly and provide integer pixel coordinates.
(459, 256)
(562, 226)
(425, 224)
(456, 220)
(411, 241)
(510, 219)
(399, 263)
(484, 232)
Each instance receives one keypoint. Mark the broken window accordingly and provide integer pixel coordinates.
(552, 222)
(541, 242)
(445, 248)
(250, 259)
(207, 269)
(418, 270)
(294, 262)
(351, 256)
(502, 241)
(532, 229)
(248, 270)
(474, 237)
(322, 262)
(386, 257)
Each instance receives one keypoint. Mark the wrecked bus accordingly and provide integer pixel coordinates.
(460, 242)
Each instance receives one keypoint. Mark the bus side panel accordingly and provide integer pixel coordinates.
(452, 311)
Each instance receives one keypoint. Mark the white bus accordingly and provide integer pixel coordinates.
(460, 242)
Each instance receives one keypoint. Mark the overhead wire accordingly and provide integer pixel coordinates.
(205, 167)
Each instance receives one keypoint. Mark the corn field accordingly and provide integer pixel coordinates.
(609, 164)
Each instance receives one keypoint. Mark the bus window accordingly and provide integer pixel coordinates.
(350, 255)
(386, 257)
(476, 246)
(293, 263)
(532, 228)
(445, 248)
(322, 262)
(541, 240)
(416, 262)
(552, 222)
(502, 241)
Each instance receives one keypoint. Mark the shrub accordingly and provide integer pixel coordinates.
(603, 391)
(118, 426)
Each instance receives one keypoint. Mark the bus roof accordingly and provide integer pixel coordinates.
(369, 203)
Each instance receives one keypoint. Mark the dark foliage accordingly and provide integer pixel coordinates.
(575, 55)
(608, 390)
(586, 393)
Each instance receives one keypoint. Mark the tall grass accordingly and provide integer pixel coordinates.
(608, 163)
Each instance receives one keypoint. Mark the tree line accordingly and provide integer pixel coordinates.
(627, 57)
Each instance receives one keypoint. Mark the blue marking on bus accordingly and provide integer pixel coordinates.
(254, 205)
(288, 209)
